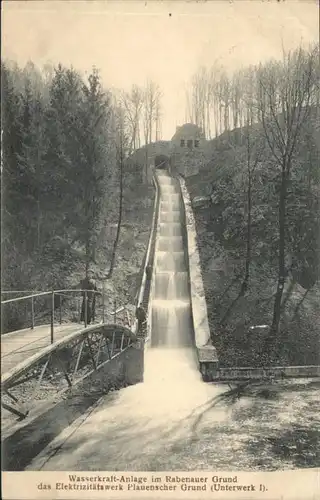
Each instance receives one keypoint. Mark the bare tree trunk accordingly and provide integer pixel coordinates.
(220, 118)
(229, 310)
(146, 164)
(281, 265)
(287, 294)
(235, 280)
(87, 255)
(38, 224)
(216, 117)
(300, 302)
(116, 240)
(245, 282)
(87, 240)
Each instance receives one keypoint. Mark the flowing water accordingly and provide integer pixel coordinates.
(132, 429)
(173, 420)
(172, 337)
(171, 322)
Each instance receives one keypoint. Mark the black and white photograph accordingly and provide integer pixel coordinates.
(160, 243)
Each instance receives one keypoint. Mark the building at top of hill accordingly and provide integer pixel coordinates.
(188, 136)
(188, 149)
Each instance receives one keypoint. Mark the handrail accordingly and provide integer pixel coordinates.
(155, 216)
(41, 291)
(56, 292)
(41, 294)
(67, 294)
(150, 249)
(21, 291)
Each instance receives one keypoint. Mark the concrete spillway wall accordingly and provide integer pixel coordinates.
(198, 300)
(198, 308)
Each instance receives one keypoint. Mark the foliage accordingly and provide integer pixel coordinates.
(58, 172)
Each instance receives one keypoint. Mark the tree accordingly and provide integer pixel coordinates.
(132, 103)
(95, 170)
(152, 97)
(284, 103)
(10, 148)
(121, 144)
(248, 165)
(63, 132)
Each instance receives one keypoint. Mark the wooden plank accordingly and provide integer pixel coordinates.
(16, 411)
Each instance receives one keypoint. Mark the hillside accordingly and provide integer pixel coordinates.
(65, 187)
(235, 305)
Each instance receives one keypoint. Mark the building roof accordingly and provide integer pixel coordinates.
(188, 129)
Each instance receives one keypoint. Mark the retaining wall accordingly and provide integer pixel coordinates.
(198, 301)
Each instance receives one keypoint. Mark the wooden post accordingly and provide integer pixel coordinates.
(115, 311)
(85, 309)
(108, 348)
(60, 310)
(14, 410)
(52, 317)
(103, 301)
(113, 339)
(79, 309)
(122, 340)
(128, 318)
(91, 353)
(78, 359)
(99, 348)
(32, 313)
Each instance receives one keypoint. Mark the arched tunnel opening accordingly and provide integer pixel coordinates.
(162, 162)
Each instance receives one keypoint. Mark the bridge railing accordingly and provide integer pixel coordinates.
(58, 306)
(60, 366)
(145, 288)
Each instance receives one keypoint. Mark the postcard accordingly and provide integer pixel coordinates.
(160, 249)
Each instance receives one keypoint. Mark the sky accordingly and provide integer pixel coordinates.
(133, 41)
